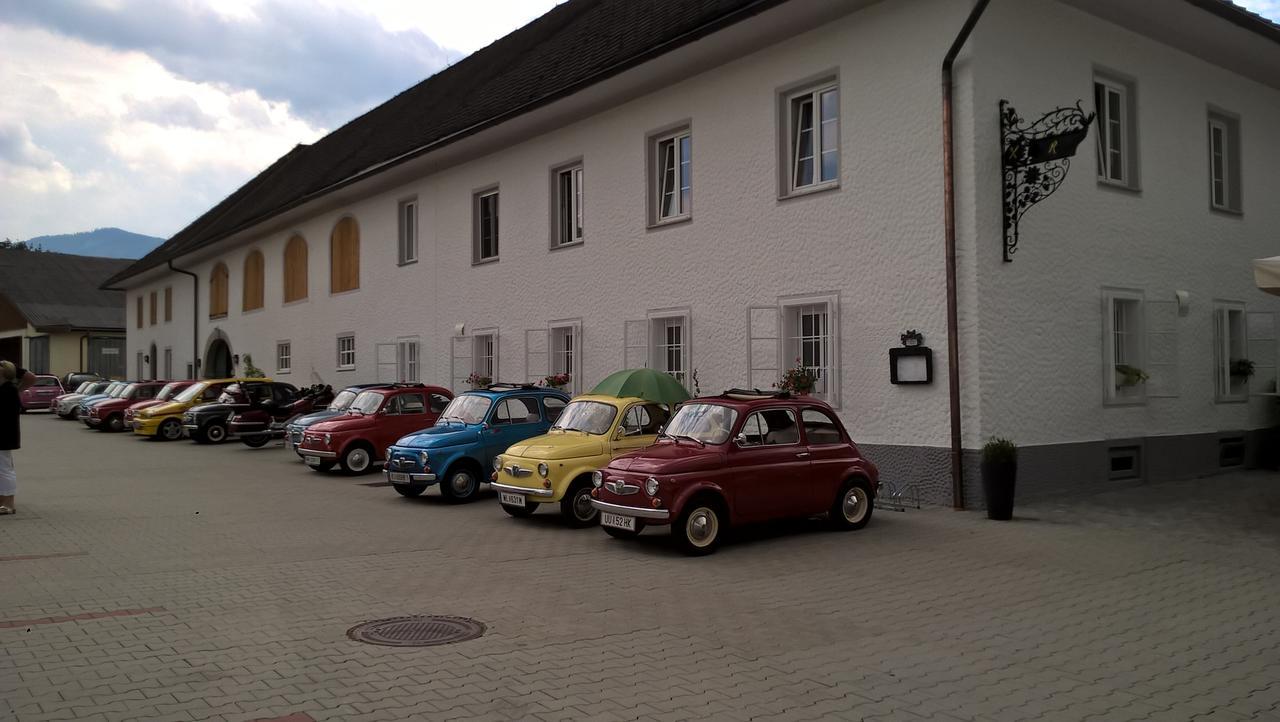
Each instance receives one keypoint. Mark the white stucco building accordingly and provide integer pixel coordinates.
(724, 187)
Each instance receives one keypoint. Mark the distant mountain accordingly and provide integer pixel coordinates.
(106, 242)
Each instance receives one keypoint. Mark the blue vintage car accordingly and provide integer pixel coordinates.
(295, 426)
(114, 390)
(477, 425)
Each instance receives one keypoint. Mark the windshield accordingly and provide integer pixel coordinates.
(467, 408)
(190, 392)
(127, 390)
(113, 389)
(708, 423)
(592, 417)
(368, 402)
(84, 387)
(342, 401)
(168, 392)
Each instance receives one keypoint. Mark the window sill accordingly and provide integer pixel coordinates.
(485, 261)
(1225, 211)
(250, 311)
(1231, 400)
(284, 372)
(809, 190)
(346, 368)
(295, 302)
(574, 244)
(668, 222)
(213, 317)
(346, 292)
(1121, 402)
(1118, 186)
(409, 262)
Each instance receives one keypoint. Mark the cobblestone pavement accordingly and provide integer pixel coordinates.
(173, 581)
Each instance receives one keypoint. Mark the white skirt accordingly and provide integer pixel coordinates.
(8, 477)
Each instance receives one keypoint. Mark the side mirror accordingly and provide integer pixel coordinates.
(741, 440)
(621, 432)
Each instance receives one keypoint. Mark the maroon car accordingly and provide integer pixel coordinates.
(108, 415)
(171, 389)
(741, 457)
(42, 393)
(264, 419)
(377, 418)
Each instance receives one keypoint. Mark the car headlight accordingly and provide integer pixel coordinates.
(328, 438)
(543, 470)
(388, 454)
(597, 479)
(422, 456)
(651, 486)
(497, 463)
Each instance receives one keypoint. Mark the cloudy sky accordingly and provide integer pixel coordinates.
(142, 114)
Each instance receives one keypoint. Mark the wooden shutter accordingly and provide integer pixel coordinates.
(295, 269)
(168, 307)
(218, 291)
(1260, 331)
(344, 258)
(635, 344)
(251, 294)
(763, 346)
(460, 363)
(1162, 350)
(536, 359)
(155, 302)
(138, 305)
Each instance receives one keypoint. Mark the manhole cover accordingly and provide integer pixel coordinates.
(416, 631)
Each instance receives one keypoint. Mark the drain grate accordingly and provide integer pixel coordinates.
(417, 631)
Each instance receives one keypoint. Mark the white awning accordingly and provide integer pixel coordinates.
(1266, 273)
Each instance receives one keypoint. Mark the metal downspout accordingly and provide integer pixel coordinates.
(949, 204)
(195, 319)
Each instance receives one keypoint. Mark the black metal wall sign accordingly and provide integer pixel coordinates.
(1034, 160)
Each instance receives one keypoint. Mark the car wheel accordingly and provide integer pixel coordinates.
(853, 505)
(521, 512)
(114, 424)
(460, 485)
(357, 459)
(700, 527)
(617, 533)
(255, 441)
(576, 507)
(410, 489)
(215, 433)
(170, 430)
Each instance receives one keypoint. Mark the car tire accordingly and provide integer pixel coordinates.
(576, 506)
(409, 490)
(113, 423)
(170, 430)
(215, 433)
(460, 485)
(255, 441)
(521, 512)
(617, 533)
(700, 527)
(357, 459)
(853, 505)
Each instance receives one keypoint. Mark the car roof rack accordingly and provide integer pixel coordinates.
(754, 394)
(406, 385)
(504, 385)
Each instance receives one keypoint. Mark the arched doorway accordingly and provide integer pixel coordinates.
(154, 361)
(217, 357)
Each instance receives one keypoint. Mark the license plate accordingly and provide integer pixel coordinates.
(398, 478)
(618, 521)
(312, 460)
(511, 499)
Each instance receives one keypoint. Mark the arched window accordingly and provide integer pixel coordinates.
(251, 297)
(344, 256)
(295, 269)
(218, 291)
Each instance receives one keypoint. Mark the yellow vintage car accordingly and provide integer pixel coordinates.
(165, 420)
(557, 466)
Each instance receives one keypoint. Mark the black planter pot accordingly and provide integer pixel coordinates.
(998, 481)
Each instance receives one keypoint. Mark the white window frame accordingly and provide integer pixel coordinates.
(478, 209)
(681, 159)
(1123, 343)
(284, 356)
(407, 221)
(569, 224)
(408, 359)
(1226, 348)
(346, 356)
(791, 101)
(790, 332)
(565, 360)
(658, 323)
(484, 353)
(1227, 127)
(1126, 91)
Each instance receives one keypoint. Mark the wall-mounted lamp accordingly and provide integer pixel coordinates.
(913, 362)
(459, 329)
(146, 358)
(235, 359)
(1184, 302)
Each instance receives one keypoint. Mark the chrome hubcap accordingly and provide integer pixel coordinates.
(461, 483)
(582, 505)
(215, 433)
(855, 505)
(358, 460)
(702, 527)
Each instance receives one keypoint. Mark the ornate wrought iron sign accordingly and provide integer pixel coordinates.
(1034, 160)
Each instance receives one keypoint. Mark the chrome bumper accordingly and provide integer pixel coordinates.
(636, 511)
(413, 478)
(542, 493)
(322, 454)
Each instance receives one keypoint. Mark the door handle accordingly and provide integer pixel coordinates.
(802, 455)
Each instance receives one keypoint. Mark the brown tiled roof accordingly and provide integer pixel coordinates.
(61, 291)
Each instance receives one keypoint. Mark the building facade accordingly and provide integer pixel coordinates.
(767, 191)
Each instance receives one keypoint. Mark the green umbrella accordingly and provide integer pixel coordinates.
(656, 386)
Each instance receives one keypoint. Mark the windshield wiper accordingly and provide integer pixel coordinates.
(690, 438)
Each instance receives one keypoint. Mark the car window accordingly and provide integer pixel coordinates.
(643, 419)
(771, 427)
(212, 393)
(520, 410)
(146, 392)
(46, 382)
(554, 405)
(439, 402)
(412, 404)
(283, 394)
(259, 392)
(819, 428)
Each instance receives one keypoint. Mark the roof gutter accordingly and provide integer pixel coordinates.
(195, 319)
(949, 223)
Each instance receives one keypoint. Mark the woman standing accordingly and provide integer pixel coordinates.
(13, 381)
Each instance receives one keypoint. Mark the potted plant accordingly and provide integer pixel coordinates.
(557, 381)
(796, 380)
(1241, 369)
(999, 477)
(478, 381)
(1127, 375)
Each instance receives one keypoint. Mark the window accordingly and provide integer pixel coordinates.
(1117, 131)
(412, 404)
(669, 341)
(344, 256)
(1229, 346)
(168, 364)
(568, 195)
(807, 332)
(484, 357)
(799, 331)
(521, 410)
(295, 269)
(485, 247)
(251, 293)
(554, 407)
(438, 403)
(407, 367)
(564, 353)
(771, 427)
(408, 220)
(672, 178)
(1224, 162)
(346, 352)
(154, 307)
(813, 138)
(284, 357)
(138, 306)
(168, 304)
(217, 291)
(643, 419)
(1124, 362)
(819, 428)
(38, 353)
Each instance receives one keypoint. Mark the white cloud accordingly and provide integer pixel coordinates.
(1266, 8)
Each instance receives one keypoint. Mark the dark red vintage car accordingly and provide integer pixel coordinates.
(108, 415)
(738, 458)
(265, 418)
(171, 389)
(358, 439)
